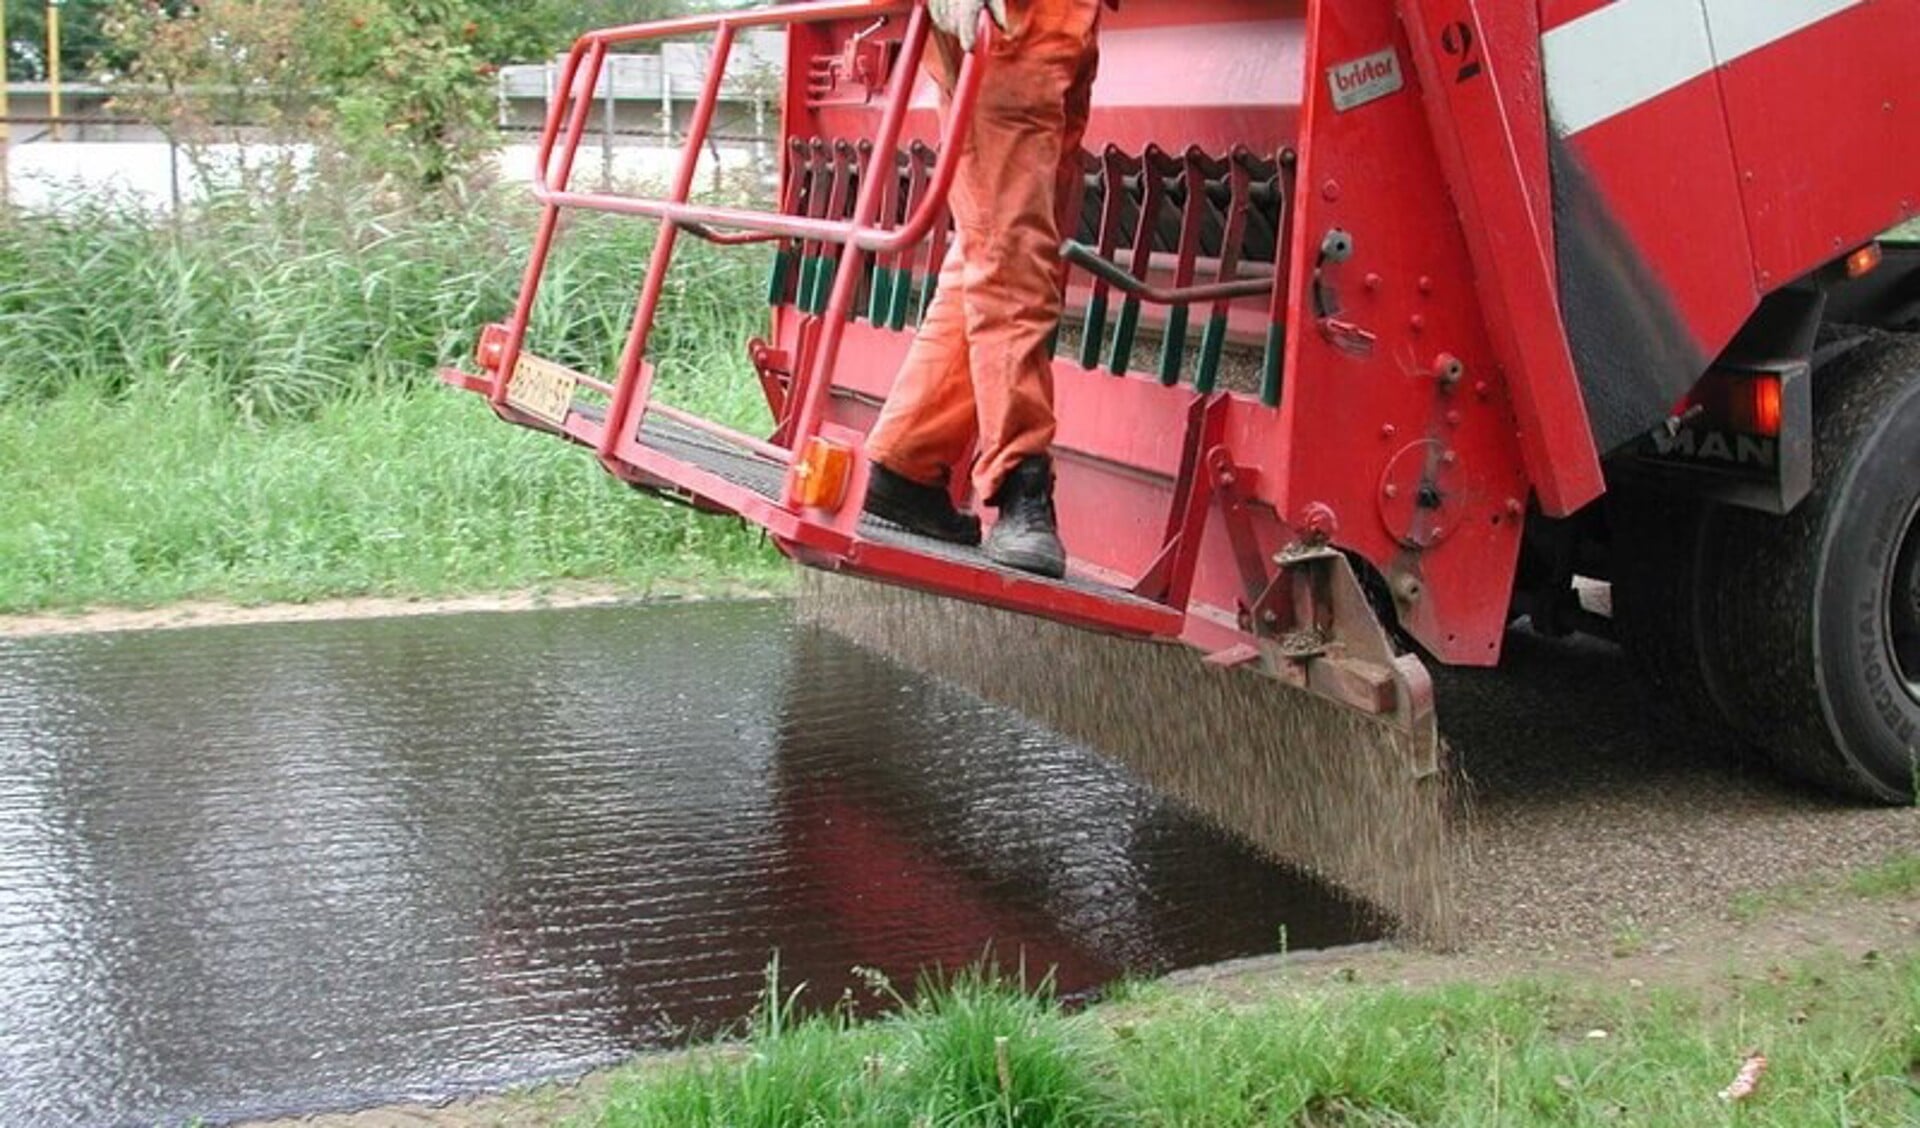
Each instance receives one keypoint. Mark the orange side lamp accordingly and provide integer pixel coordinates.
(1864, 261)
(822, 474)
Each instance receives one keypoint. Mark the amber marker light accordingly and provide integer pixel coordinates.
(1752, 403)
(821, 475)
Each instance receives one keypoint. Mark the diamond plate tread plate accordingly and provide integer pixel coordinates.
(893, 536)
(712, 454)
(766, 477)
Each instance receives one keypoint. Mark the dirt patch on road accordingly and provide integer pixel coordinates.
(215, 613)
(1596, 813)
(1713, 955)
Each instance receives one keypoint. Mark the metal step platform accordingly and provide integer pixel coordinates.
(883, 551)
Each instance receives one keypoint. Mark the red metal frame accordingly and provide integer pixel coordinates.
(630, 391)
(1178, 568)
(1178, 573)
(1419, 386)
(827, 539)
(1479, 144)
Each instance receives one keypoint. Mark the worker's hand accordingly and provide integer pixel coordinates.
(961, 18)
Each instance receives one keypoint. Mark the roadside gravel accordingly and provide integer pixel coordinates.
(1596, 818)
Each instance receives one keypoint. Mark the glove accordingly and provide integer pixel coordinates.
(961, 18)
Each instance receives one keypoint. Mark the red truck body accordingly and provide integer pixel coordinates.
(1367, 297)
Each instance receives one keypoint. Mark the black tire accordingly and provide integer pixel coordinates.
(1799, 632)
(1657, 549)
(1804, 605)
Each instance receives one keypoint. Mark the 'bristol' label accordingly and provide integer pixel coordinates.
(1366, 80)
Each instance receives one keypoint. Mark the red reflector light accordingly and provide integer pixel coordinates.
(492, 348)
(1750, 403)
(1764, 406)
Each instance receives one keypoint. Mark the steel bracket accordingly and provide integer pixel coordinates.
(1233, 487)
(775, 370)
(1169, 578)
(1318, 631)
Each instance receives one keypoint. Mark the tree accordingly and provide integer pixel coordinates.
(413, 85)
(572, 17)
(421, 103)
(404, 86)
(219, 64)
(508, 30)
(82, 39)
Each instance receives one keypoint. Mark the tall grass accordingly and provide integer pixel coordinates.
(244, 405)
(982, 1048)
(286, 305)
(162, 496)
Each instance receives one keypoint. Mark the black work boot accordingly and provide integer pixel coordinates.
(1027, 536)
(926, 510)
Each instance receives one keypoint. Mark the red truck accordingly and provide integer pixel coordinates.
(1390, 322)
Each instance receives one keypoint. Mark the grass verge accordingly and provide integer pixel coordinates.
(1897, 876)
(164, 494)
(1842, 1039)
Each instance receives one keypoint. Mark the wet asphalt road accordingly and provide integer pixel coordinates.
(267, 869)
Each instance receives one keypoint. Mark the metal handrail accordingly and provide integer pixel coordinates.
(708, 218)
(1090, 260)
(862, 233)
(599, 41)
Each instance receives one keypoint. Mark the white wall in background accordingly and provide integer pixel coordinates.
(48, 175)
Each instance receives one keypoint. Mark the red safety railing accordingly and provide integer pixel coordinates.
(630, 391)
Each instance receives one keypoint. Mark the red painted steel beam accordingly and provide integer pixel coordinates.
(1116, 612)
(633, 385)
(779, 15)
(575, 124)
(728, 238)
(719, 431)
(813, 390)
(710, 218)
(1478, 143)
(839, 233)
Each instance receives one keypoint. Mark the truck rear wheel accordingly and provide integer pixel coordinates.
(1802, 632)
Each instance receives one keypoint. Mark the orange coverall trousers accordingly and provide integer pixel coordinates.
(980, 370)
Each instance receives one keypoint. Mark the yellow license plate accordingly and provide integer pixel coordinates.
(542, 389)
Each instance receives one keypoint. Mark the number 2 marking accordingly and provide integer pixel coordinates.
(1460, 44)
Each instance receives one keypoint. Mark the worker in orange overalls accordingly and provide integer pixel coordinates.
(979, 375)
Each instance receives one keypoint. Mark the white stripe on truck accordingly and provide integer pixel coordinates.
(1632, 51)
(1741, 27)
(1617, 57)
